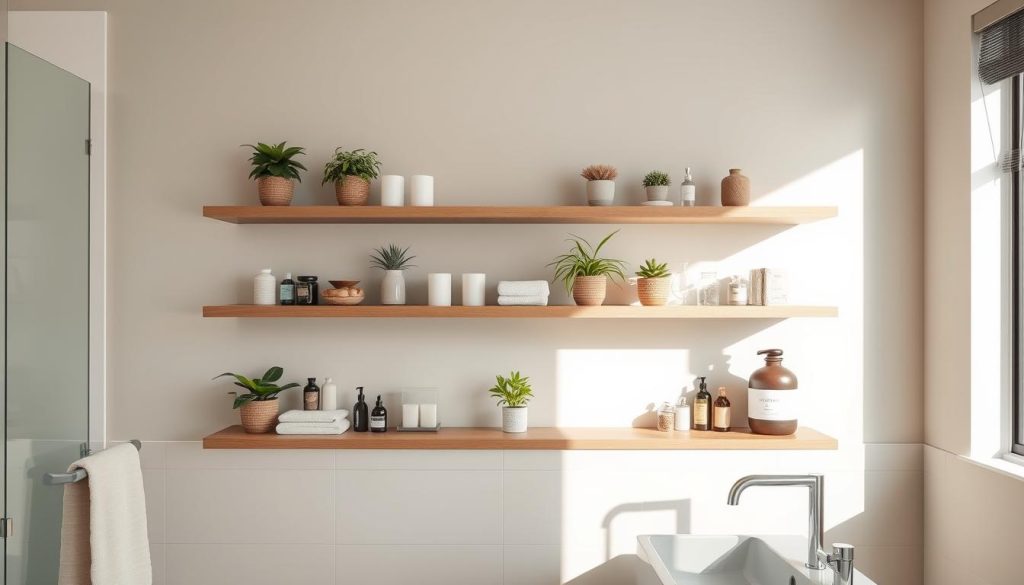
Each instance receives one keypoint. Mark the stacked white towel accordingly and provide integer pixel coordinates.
(313, 422)
(523, 292)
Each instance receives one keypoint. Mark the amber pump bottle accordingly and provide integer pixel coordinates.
(722, 419)
(772, 397)
(702, 407)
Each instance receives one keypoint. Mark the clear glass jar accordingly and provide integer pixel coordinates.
(710, 290)
(666, 417)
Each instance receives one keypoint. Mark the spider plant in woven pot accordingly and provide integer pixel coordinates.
(653, 283)
(512, 392)
(274, 167)
(585, 273)
(394, 261)
(258, 406)
(656, 185)
(351, 172)
(600, 184)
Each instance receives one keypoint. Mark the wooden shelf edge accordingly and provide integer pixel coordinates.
(564, 214)
(538, 438)
(500, 312)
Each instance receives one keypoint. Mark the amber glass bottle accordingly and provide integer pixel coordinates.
(722, 419)
(772, 399)
(702, 408)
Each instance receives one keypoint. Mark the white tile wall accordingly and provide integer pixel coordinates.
(483, 517)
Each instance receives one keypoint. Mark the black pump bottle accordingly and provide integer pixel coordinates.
(360, 415)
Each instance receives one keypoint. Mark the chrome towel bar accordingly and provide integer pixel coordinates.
(78, 474)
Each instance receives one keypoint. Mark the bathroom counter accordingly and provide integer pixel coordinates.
(538, 438)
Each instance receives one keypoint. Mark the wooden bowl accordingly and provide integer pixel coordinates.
(343, 283)
(343, 300)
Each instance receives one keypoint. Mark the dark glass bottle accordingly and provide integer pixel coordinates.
(307, 292)
(721, 420)
(287, 290)
(360, 415)
(702, 408)
(379, 418)
(772, 397)
(311, 395)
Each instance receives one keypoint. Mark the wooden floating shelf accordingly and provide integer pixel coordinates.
(538, 438)
(498, 312)
(552, 214)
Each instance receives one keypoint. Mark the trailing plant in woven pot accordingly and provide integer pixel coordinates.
(656, 185)
(258, 406)
(394, 261)
(653, 283)
(585, 273)
(513, 393)
(351, 172)
(600, 184)
(274, 167)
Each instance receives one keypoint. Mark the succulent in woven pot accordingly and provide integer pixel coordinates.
(513, 393)
(585, 273)
(274, 167)
(351, 172)
(653, 283)
(258, 405)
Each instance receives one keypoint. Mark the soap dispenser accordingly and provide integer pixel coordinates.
(360, 414)
(772, 398)
(379, 418)
(702, 407)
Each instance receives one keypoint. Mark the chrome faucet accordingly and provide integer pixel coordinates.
(841, 559)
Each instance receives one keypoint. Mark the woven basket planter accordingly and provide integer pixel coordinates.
(275, 191)
(352, 190)
(589, 291)
(653, 292)
(259, 416)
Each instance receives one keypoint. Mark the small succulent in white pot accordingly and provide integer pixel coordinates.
(656, 184)
(393, 260)
(600, 184)
(512, 392)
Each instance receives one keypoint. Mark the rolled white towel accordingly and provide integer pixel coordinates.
(523, 300)
(523, 288)
(335, 428)
(312, 416)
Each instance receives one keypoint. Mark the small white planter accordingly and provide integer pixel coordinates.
(657, 192)
(392, 288)
(601, 192)
(513, 419)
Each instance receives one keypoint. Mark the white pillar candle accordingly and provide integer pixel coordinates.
(439, 289)
(474, 285)
(392, 191)
(428, 416)
(411, 415)
(421, 191)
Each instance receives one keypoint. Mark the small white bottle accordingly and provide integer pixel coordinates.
(737, 291)
(263, 288)
(688, 191)
(329, 395)
(682, 415)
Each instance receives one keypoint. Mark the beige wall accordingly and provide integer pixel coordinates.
(820, 103)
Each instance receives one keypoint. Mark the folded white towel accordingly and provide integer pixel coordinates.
(523, 300)
(335, 428)
(103, 535)
(320, 416)
(523, 288)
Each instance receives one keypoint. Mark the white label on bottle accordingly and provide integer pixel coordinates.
(772, 404)
(376, 422)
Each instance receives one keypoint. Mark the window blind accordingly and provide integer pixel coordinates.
(1002, 49)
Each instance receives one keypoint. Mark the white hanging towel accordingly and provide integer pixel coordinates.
(104, 539)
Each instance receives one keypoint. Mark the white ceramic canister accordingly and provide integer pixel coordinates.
(264, 288)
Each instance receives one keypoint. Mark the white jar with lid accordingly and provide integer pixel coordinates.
(263, 288)
(682, 421)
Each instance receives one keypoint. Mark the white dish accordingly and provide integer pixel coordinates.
(658, 203)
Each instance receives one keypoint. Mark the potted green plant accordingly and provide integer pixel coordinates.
(393, 260)
(258, 406)
(351, 172)
(653, 283)
(656, 184)
(274, 167)
(600, 184)
(585, 273)
(513, 393)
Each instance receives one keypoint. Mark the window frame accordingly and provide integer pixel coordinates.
(1017, 286)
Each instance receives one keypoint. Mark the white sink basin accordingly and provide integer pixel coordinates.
(684, 559)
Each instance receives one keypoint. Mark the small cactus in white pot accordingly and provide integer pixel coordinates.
(656, 184)
(600, 184)
(512, 392)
